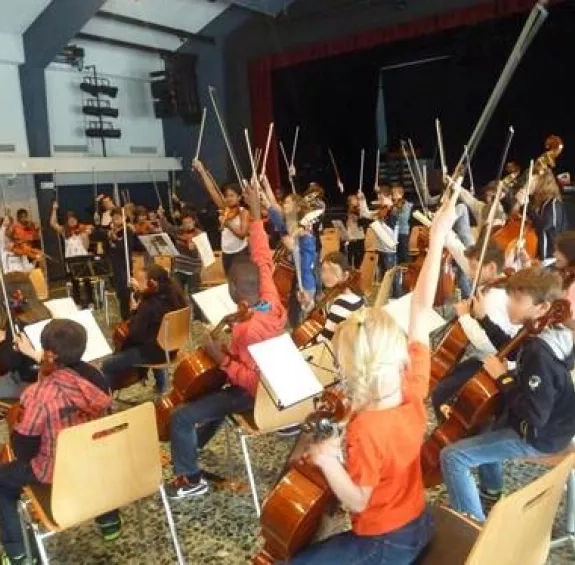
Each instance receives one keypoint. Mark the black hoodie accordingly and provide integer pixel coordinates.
(540, 396)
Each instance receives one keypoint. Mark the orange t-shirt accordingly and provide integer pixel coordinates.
(383, 452)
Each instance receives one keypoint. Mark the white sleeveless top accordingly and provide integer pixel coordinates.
(74, 246)
(230, 242)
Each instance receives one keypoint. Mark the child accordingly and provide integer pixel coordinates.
(158, 295)
(357, 221)
(538, 418)
(196, 422)
(71, 394)
(495, 304)
(403, 214)
(234, 219)
(76, 244)
(565, 264)
(387, 376)
(335, 270)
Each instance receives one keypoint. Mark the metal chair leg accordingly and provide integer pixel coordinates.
(248, 463)
(172, 525)
(25, 532)
(40, 544)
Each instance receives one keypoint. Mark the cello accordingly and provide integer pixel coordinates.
(293, 510)
(196, 375)
(479, 399)
(311, 327)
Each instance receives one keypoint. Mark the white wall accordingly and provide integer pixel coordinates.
(126, 69)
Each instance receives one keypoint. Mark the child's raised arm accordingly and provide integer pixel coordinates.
(426, 285)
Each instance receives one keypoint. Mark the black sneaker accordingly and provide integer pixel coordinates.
(183, 487)
(289, 431)
(489, 495)
(20, 560)
(110, 531)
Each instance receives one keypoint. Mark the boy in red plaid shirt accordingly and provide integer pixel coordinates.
(72, 393)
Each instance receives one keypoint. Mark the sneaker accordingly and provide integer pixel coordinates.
(490, 495)
(110, 531)
(183, 487)
(20, 560)
(289, 431)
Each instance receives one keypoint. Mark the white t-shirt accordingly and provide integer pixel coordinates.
(231, 243)
(74, 246)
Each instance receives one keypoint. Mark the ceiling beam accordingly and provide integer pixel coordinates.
(125, 44)
(181, 33)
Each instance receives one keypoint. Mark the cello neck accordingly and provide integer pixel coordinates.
(513, 343)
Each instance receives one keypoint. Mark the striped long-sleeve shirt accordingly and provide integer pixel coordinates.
(342, 308)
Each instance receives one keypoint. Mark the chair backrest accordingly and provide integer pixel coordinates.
(386, 287)
(164, 261)
(518, 529)
(174, 332)
(105, 464)
(214, 274)
(38, 281)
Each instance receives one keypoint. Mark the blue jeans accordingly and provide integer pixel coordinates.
(126, 359)
(400, 547)
(195, 423)
(486, 451)
(462, 225)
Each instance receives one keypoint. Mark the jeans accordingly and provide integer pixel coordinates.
(400, 547)
(402, 248)
(190, 283)
(462, 226)
(355, 252)
(193, 425)
(486, 451)
(229, 258)
(385, 261)
(125, 360)
(447, 388)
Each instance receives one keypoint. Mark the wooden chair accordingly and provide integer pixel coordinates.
(100, 466)
(164, 261)
(329, 241)
(386, 286)
(173, 335)
(517, 531)
(39, 283)
(267, 418)
(214, 274)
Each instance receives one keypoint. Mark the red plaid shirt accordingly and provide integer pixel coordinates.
(57, 401)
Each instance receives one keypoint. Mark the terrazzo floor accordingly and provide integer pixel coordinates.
(221, 527)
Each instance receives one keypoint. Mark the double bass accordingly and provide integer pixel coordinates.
(479, 399)
(196, 375)
(293, 510)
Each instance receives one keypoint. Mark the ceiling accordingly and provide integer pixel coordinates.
(16, 16)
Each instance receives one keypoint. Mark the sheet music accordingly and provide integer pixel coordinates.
(96, 346)
(215, 303)
(288, 377)
(341, 229)
(399, 309)
(204, 249)
(61, 307)
(158, 244)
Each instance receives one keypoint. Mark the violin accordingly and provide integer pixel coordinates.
(312, 326)
(479, 400)
(146, 227)
(196, 375)
(229, 213)
(554, 145)
(78, 229)
(185, 237)
(23, 249)
(293, 510)
(454, 343)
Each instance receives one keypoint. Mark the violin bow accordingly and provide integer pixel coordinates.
(231, 153)
(361, 166)
(377, 161)
(156, 190)
(335, 170)
(126, 250)
(520, 242)
(250, 153)
(267, 149)
(60, 236)
(534, 22)
(469, 171)
(201, 134)
(414, 179)
(294, 147)
(441, 148)
(284, 154)
(415, 162)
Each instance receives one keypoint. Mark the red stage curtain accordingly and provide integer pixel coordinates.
(260, 70)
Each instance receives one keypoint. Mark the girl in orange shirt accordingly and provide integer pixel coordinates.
(387, 375)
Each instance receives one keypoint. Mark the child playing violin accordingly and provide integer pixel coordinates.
(402, 211)
(69, 393)
(234, 219)
(195, 423)
(157, 294)
(387, 376)
(538, 417)
(358, 218)
(76, 243)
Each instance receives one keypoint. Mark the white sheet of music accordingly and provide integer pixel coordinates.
(215, 303)
(158, 244)
(204, 249)
(287, 376)
(61, 307)
(96, 347)
(399, 309)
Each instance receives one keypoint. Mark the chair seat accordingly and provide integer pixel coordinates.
(553, 459)
(453, 539)
(40, 496)
(246, 422)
